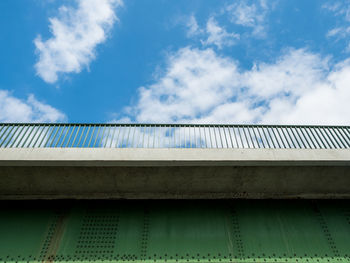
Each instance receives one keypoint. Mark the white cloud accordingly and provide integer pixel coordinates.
(341, 11)
(13, 109)
(192, 27)
(254, 15)
(75, 34)
(339, 8)
(200, 86)
(218, 35)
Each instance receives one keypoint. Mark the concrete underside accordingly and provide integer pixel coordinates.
(173, 173)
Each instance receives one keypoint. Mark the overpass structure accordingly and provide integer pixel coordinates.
(176, 193)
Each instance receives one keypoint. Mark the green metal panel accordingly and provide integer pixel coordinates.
(175, 231)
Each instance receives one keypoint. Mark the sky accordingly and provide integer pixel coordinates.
(184, 61)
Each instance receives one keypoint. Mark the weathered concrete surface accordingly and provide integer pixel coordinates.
(173, 173)
(170, 157)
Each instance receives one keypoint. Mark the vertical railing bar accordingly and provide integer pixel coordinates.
(341, 132)
(339, 136)
(205, 137)
(281, 137)
(35, 133)
(253, 137)
(52, 128)
(100, 143)
(245, 136)
(289, 131)
(2, 127)
(315, 137)
(149, 131)
(321, 139)
(274, 134)
(107, 137)
(229, 132)
(114, 127)
(64, 138)
(289, 137)
(154, 135)
(234, 133)
(127, 138)
(240, 136)
(13, 134)
(252, 131)
(71, 134)
(223, 127)
(122, 137)
(296, 136)
(59, 137)
(270, 137)
(310, 137)
(220, 137)
(346, 132)
(334, 146)
(195, 137)
(7, 135)
(200, 137)
(5, 131)
(86, 135)
(261, 138)
(119, 127)
(210, 139)
(216, 141)
(169, 138)
(297, 131)
(26, 140)
(75, 136)
(306, 139)
(133, 137)
(143, 137)
(37, 139)
(92, 135)
(21, 138)
(266, 137)
(335, 138)
(97, 134)
(46, 132)
(18, 135)
(286, 135)
(57, 128)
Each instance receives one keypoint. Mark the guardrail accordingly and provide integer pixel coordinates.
(26, 135)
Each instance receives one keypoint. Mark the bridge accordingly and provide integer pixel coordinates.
(143, 161)
(174, 193)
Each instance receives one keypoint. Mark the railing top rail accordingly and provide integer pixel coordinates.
(167, 124)
(137, 135)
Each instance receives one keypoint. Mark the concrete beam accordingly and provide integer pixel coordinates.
(173, 173)
(171, 157)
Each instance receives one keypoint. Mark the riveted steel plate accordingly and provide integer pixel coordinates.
(175, 231)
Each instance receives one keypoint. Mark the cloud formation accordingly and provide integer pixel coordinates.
(341, 11)
(201, 86)
(75, 34)
(13, 109)
(249, 15)
(218, 35)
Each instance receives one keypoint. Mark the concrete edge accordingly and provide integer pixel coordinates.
(172, 157)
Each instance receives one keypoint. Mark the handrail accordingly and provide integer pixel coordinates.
(123, 135)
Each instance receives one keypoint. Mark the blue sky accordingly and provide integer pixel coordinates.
(175, 61)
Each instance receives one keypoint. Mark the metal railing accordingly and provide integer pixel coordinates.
(30, 135)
